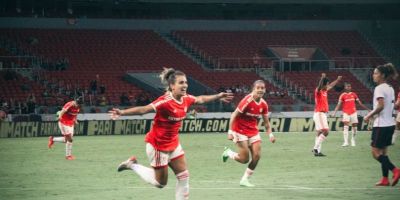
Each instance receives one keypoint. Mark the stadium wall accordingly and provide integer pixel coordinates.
(165, 26)
(142, 126)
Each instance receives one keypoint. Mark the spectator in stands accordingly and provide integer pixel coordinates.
(31, 103)
(124, 100)
(103, 101)
(93, 87)
(131, 97)
(102, 88)
(256, 62)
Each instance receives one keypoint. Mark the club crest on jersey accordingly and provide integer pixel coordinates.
(261, 110)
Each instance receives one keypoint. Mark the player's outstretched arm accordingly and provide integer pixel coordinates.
(223, 96)
(336, 108)
(115, 113)
(362, 105)
(331, 85)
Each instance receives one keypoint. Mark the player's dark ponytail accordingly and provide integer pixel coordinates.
(168, 76)
(388, 70)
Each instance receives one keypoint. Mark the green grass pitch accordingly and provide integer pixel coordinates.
(287, 170)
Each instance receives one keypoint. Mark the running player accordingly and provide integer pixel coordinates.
(347, 100)
(384, 124)
(243, 130)
(67, 118)
(163, 148)
(321, 108)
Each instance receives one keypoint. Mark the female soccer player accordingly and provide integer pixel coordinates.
(67, 118)
(321, 108)
(384, 124)
(243, 130)
(347, 99)
(163, 148)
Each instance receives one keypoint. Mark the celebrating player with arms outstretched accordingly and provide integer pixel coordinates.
(321, 108)
(163, 148)
(243, 130)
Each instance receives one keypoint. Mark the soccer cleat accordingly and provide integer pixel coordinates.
(70, 157)
(319, 154)
(225, 154)
(353, 143)
(383, 182)
(345, 144)
(396, 176)
(51, 142)
(127, 164)
(246, 183)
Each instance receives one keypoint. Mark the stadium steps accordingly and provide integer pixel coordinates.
(185, 50)
(385, 43)
(364, 77)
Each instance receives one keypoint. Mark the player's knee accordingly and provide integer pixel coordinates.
(256, 157)
(325, 132)
(243, 160)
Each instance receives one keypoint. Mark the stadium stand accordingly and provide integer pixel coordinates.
(112, 53)
(218, 46)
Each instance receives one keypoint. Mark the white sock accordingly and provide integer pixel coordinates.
(247, 174)
(147, 174)
(182, 186)
(346, 134)
(319, 141)
(232, 155)
(59, 139)
(315, 142)
(396, 133)
(68, 148)
(354, 131)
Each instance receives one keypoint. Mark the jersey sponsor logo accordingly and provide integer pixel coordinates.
(252, 115)
(176, 118)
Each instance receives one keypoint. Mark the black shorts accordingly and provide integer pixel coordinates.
(382, 136)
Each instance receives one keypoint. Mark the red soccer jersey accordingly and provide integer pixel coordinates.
(348, 102)
(321, 101)
(250, 110)
(169, 115)
(71, 112)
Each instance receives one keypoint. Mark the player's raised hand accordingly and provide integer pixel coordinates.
(115, 113)
(339, 77)
(226, 97)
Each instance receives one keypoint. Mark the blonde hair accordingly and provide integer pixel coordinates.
(168, 76)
